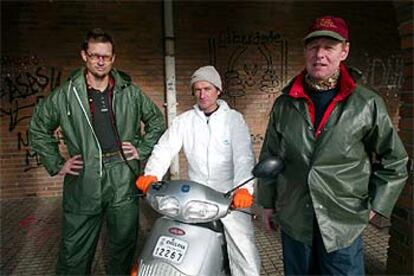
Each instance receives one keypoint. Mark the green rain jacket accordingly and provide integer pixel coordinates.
(67, 107)
(328, 171)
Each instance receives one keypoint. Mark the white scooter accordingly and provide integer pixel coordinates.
(189, 238)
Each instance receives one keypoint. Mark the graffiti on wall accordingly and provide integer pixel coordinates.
(386, 72)
(250, 62)
(386, 76)
(24, 82)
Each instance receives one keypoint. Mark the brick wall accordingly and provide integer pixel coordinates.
(400, 253)
(256, 46)
(40, 47)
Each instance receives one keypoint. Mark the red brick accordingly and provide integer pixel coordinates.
(406, 28)
(407, 43)
(407, 123)
(405, 200)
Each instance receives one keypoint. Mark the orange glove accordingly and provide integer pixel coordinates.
(242, 199)
(134, 269)
(144, 182)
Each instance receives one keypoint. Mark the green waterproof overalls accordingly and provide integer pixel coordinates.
(105, 188)
(80, 232)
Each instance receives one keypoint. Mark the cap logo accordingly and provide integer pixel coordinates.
(327, 23)
(329, 26)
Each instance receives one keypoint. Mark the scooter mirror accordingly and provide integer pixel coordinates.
(266, 168)
(269, 167)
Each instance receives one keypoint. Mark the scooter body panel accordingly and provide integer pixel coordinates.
(196, 250)
(182, 243)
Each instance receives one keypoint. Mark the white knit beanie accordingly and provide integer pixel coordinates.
(207, 73)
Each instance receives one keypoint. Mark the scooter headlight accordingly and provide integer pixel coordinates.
(167, 205)
(199, 211)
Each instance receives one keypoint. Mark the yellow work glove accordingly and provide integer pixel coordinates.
(242, 198)
(144, 182)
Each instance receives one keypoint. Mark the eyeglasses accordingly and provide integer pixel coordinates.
(96, 57)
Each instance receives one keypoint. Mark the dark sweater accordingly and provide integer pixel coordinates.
(321, 100)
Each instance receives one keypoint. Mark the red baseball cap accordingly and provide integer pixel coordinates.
(329, 26)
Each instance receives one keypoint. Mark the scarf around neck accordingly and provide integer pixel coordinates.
(324, 85)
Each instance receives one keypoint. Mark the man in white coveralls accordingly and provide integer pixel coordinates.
(217, 145)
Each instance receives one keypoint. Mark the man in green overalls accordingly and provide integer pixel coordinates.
(100, 113)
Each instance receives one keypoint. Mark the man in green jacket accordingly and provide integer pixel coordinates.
(99, 112)
(344, 161)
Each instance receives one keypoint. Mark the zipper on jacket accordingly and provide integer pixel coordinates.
(93, 131)
(67, 99)
(208, 148)
(113, 100)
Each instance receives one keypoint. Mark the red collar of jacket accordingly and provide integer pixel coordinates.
(346, 86)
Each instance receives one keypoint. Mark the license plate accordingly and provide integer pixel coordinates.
(171, 249)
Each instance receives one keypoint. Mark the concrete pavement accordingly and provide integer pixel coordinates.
(30, 231)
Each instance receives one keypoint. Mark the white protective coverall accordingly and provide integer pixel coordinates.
(219, 154)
